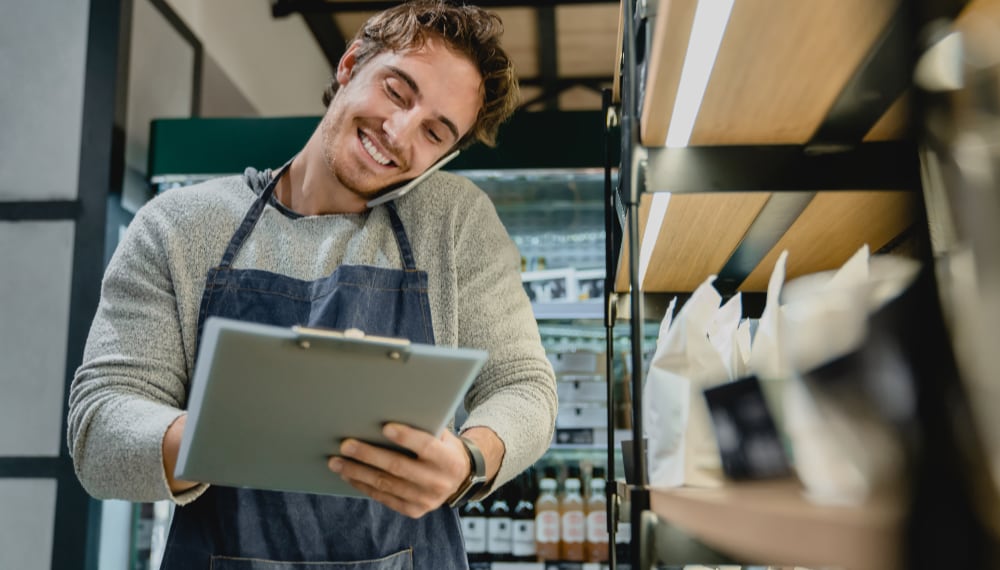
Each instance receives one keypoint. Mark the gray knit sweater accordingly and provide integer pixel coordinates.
(139, 356)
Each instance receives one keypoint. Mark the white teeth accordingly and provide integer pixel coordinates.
(373, 152)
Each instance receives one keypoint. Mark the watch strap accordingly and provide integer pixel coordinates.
(477, 475)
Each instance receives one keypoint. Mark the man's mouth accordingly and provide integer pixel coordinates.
(373, 151)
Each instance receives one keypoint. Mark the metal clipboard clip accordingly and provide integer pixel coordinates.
(393, 348)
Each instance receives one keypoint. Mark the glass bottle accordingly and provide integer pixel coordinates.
(473, 517)
(573, 522)
(523, 536)
(547, 518)
(500, 529)
(597, 519)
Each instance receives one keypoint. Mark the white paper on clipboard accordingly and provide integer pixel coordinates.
(269, 405)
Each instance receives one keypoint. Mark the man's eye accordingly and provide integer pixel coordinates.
(434, 136)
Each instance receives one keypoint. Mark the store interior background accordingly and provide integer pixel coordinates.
(82, 81)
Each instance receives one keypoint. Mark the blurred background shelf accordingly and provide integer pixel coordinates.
(772, 523)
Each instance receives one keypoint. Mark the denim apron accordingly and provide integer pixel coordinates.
(244, 529)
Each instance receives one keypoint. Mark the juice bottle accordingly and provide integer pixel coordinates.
(597, 519)
(573, 523)
(547, 518)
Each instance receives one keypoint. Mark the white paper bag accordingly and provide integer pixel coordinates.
(723, 333)
(767, 357)
(682, 448)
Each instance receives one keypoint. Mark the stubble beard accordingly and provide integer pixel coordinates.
(330, 161)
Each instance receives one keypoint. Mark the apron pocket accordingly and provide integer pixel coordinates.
(402, 560)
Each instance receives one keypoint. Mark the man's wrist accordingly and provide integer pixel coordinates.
(476, 479)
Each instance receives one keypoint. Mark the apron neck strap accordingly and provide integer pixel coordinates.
(255, 211)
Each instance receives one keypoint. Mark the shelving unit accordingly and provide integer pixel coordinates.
(756, 522)
(803, 142)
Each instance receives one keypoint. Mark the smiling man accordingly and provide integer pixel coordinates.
(302, 246)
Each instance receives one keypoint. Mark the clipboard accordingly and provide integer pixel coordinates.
(269, 405)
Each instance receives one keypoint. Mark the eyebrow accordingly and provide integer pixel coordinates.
(406, 77)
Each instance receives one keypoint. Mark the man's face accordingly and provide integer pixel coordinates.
(397, 114)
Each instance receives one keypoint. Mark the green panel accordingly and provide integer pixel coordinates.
(223, 146)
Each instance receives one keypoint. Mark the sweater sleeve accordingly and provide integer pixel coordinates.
(514, 394)
(132, 383)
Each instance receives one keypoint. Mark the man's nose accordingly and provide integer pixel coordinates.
(401, 126)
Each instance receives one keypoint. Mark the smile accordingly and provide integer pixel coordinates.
(373, 151)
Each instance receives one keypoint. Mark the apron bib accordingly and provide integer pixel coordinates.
(245, 529)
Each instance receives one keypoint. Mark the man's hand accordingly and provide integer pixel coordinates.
(171, 446)
(414, 486)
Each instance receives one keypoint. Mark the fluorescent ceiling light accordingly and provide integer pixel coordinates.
(657, 211)
(710, 19)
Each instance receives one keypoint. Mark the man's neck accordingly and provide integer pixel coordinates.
(310, 189)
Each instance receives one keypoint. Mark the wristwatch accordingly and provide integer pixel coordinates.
(477, 475)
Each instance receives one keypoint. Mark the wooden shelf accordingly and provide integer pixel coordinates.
(772, 523)
(701, 231)
(832, 228)
(779, 69)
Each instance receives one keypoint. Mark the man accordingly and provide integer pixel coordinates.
(301, 246)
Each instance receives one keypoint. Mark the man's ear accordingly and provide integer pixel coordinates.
(347, 62)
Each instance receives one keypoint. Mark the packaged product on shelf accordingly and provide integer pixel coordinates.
(499, 533)
(474, 529)
(523, 536)
(581, 389)
(571, 416)
(848, 377)
(547, 533)
(597, 519)
(578, 362)
(573, 522)
(767, 359)
(580, 436)
(729, 333)
(682, 446)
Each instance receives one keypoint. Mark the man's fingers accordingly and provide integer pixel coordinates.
(417, 441)
(411, 510)
(416, 472)
(393, 492)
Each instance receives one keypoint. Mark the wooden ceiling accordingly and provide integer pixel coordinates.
(563, 51)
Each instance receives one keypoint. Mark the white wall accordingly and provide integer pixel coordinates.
(276, 63)
(43, 49)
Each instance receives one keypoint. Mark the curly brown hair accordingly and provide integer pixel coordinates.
(469, 30)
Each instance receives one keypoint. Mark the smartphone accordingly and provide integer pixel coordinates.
(393, 194)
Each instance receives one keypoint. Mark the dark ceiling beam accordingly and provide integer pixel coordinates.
(548, 62)
(550, 96)
(281, 8)
(566, 82)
